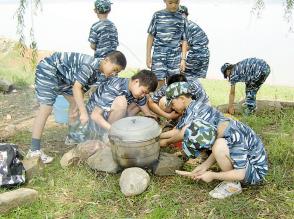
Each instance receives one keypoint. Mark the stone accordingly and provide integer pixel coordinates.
(167, 164)
(17, 198)
(134, 181)
(69, 159)
(5, 86)
(88, 148)
(34, 167)
(103, 161)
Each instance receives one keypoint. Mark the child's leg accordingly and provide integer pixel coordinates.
(133, 109)
(221, 153)
(118, 109)
(73, 111)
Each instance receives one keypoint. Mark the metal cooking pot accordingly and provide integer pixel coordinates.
(135, 141)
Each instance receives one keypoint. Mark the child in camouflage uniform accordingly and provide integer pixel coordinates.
(69, 74)
(166, 33)
(198, 53)
(113, 100)
(253, 72)
(103, 35)
(235, 147)
(157, 101)
(179, 98)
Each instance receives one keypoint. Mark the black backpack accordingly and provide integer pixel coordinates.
(12, 172)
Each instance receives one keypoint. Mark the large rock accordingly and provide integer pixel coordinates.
(134, 181)
(167, 164)
(81, 153)
(17, 198)
(5, 86)
(103, 161)
(34, 167)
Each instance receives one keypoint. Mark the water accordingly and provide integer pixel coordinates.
(234, 33)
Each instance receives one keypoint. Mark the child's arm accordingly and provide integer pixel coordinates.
(97, 117)
(79, 98)
(147, 112)
(231, 175)
(154, 107)
(170, 137)
(150, 39)
(184, 53)
(231, 109)
(93, 46)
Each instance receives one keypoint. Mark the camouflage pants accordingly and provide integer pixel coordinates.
(251, 90)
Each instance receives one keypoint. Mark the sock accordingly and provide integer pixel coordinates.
(36, 144)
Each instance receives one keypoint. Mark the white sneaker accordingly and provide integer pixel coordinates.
(39, 153)
(226, 189)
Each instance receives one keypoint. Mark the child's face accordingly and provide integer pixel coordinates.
(178, 104)
(138, 91)
(109, 69)
(172, 5)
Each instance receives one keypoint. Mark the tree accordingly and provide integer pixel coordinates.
(34, 6)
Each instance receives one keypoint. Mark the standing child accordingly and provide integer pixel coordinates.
(235, 147)
(103, 35)
(198, 53)
(253, 72)
(69, 74)
(167, 36)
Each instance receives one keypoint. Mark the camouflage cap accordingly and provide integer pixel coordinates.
(103, 6)
(199, 135)
(176, 89)
(183, 10)
(224, 68)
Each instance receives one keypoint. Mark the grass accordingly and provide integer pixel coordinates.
(79, 192)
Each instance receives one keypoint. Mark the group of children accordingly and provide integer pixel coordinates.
(180, 56)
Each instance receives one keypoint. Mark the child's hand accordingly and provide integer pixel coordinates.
(173, 115)
(231, 110)
(84, 118)
(207, 176)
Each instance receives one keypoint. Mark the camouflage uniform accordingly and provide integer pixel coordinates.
(198, 54)
(103, 33)
(195, 110)
(56, 75)
(245, 147)
(197, 91)
(253, 72)
(168, 30)
(103, 98)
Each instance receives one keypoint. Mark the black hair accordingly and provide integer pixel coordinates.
(176, 78)
(117, 58)
(146, 78)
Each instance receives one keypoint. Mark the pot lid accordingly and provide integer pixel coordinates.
(135, 128)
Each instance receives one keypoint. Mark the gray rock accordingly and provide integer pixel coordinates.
(17, 198)
(69, 159)
(167, 164)
(134, 181)
(5, 86)
(34, 167)
(102, 161)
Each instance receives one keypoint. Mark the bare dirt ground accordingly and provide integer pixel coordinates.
(17, 111)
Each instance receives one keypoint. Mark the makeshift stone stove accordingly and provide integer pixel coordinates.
(134, 148)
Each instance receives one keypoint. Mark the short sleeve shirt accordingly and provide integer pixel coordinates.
(168, 29)
(104, 35)
(196, 37)
(71, 67)
(247, 70)
(108, 91)
(198, 110)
